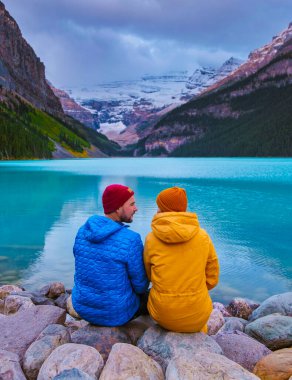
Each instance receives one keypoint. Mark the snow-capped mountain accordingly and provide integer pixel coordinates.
(206, 76)
(122, 108)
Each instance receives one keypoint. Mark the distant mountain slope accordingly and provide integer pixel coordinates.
(248, 113)
(32, 121)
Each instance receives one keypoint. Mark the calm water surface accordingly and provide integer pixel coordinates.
(244, 204)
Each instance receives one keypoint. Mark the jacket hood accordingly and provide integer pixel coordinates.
(98, 228)
(175, 227)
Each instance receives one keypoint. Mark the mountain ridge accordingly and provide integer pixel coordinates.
(234, 116)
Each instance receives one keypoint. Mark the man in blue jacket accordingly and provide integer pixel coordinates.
(109, 271)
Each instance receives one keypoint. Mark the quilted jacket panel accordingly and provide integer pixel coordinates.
(109, 272)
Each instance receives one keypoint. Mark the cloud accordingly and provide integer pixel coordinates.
(101, 40)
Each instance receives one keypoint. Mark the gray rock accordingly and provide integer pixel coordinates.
(39, 299)
(23, 293)
(242, 349)
(280, 303)
(206, 366)
(13, 303)
(69, 356)
(20, 330)
(61, 301)
(163, 345)
(50, 338)
(274, 331)
(73, 374)
(10, 367)
(129, 362)
(101, 338)
(233, 324)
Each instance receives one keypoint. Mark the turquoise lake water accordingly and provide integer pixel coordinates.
(244, 204)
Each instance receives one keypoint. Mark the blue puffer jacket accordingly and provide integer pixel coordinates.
(109, 272)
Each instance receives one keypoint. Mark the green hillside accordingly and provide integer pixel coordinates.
(27, 132)
(263, 129)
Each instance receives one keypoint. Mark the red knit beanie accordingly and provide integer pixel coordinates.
(114, 196)
(172, 199)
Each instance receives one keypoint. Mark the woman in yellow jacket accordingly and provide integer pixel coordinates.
(181, 263)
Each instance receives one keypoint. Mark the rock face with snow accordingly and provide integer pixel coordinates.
(204, 77)
(123, 109)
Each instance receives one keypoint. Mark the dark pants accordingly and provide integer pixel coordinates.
(143, 305)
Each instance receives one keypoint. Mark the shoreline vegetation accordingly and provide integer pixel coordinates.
(42, 338)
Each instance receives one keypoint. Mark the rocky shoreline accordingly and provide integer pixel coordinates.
(42, 339)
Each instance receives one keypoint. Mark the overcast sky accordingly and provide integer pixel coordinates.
(83, 42)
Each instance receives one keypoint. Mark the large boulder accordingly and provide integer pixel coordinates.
(73, 374)
(276, 366)
(49, 339)
(274, 331)
(206, 366)
(101, 338)
(69, 356)
(242, 349)
(21, 329)
(280, 303)
(163, 345)
(10, 368)
(129, 362)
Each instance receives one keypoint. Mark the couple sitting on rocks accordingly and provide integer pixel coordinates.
(113, 270)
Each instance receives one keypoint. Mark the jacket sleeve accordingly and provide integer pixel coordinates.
(136, 268)
(212, 267)
(147, 262)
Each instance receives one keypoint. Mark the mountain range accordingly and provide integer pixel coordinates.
(240, 109)
(120, 109)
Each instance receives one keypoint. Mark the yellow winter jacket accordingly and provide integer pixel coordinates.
(182, 264)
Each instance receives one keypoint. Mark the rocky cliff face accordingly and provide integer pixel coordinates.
(235, 106)
(73, 109)
(21, 70)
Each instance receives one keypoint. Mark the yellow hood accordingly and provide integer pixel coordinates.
(175, 227)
